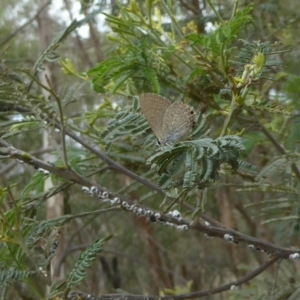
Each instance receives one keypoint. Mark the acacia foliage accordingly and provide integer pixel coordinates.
(235, 85)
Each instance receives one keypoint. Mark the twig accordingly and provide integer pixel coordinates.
(275, 143)
(218, 230)
(12, 164)
(113, 164)
(228, 286)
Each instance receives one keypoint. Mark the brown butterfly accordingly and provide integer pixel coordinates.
(169, 121)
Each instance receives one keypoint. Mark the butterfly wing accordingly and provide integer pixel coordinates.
(154, 107)
(178, 122)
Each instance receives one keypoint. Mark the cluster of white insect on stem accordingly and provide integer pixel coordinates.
(136, 209)
(103, 195)
(175, 214)
(228, 237)
(257, 249)
(294, 256)
(43, 171)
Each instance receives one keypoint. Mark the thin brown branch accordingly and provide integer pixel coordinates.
(214, 231)
(199, 294)
(228, 286)
(12, 164)
(237, 237)
(276, 144)
(113, 164)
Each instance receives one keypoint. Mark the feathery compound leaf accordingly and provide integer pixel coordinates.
(13, 275)
(49, 54)
(164, 158)
(103, 68)
(257, 54)
(189, 179)
(191, 159)
(277, 166)
(10, 277)
(247, 167)
(84, 262)
(224, 35)
(199, 127)
(165, 182)
(118, 127)
(177, 164)
(199, 161)
(122, 79)
(210, 171)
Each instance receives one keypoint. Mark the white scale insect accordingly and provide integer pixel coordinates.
(169, 121)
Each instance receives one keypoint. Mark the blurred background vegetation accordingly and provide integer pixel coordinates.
(82, 64)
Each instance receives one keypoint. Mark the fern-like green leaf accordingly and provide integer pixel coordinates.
(165, 182)
(201, 161)
(12, 276)
(177, 164)
(84, 262)
(277, 166)
(188, 180)
(49, 54)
